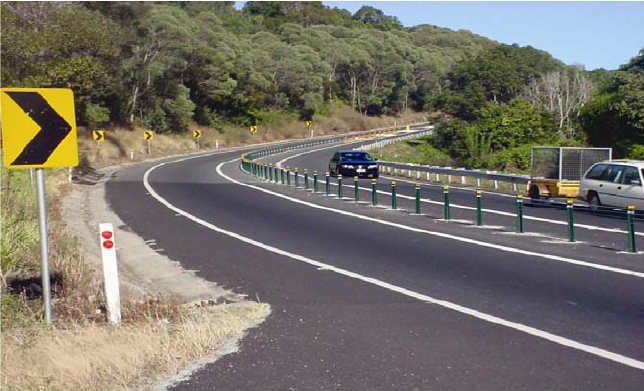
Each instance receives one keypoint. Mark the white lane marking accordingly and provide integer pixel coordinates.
(615, 357)
(498, 212)
(433, 233)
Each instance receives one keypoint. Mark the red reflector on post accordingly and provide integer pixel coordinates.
(108, 244)
(106, 234)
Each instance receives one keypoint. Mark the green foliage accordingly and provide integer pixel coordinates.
(497, 75)
(615, 117)
(414, 151)
(637, 152)
(95, 115)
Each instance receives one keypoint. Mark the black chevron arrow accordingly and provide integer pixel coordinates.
(53, 128)
(99, 136)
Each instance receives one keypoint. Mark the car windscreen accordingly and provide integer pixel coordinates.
(360, 156)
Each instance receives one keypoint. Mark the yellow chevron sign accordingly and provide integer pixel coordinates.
(98, 135)
(196, 134)
(38, 127)
(309, 123)
(253, 128)
(148, 135)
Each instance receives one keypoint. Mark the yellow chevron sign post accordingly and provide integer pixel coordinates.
(39, 131)
(196, 134)
(148, 135)
(308, 125)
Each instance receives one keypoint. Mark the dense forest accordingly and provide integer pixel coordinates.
(165, 65)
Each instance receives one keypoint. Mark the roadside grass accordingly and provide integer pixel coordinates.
(159, 335)
(92, 356)
(417, 151)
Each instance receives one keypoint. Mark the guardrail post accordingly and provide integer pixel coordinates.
(270, 172)
(288, 176)
(520, 213)
(339, 185)
(282, 175)
(306, 178)
(571, 221)
(297, 178)
(417, 187)
(394, 201)
(631, 228)
(479, 212)
(374, 193)
(315, 181)
(264, 173)
(446, 202)
(356, 192)
(327, 185)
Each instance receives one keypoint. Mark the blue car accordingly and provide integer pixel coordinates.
(353, 163)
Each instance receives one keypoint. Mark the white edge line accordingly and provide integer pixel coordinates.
(442, 303)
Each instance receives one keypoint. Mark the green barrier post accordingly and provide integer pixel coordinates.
(327, 185)
(417, 188)
(356, 190)
(315, 181)
(339, 185)
(631, 228)
(306, 178)
(520, 213)
(446, 202)
(297, 177)
(479, 212)
(571, 221)
(288, 176)
(394, 201)
(374, 193)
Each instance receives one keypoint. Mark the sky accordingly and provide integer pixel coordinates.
(595, 34)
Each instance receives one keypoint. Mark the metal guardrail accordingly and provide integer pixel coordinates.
(406, 169)
(306, 143)
(395, 139)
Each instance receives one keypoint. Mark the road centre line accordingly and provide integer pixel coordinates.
(499, 212)
(433, 233)
(615, 357)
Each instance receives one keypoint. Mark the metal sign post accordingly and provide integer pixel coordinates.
(39, 131)
(42, 224)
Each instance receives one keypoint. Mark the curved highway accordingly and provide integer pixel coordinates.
(369, 298)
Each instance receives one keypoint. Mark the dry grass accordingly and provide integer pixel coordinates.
(121, 144)
(102, 357)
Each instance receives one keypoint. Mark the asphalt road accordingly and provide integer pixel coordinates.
(367, 298)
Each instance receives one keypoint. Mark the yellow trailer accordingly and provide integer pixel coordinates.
(557, 171)
(547, 188)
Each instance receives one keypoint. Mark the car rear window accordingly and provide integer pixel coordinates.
(630, 174)
(612, 173)
(596, 172)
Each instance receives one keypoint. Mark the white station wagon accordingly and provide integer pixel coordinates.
(614, 183)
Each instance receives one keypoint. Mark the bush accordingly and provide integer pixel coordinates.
(511, 159)
(96, 115)
(637, 152)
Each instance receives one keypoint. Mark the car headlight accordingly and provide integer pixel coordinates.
(373, 166)
(348, 166)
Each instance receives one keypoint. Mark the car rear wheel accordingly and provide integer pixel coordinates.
(593, 201)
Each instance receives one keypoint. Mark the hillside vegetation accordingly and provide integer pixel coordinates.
(168, 65)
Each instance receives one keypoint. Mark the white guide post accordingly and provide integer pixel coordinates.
(110, 272)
